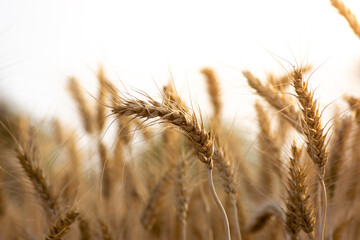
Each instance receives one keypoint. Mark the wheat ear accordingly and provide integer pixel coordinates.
(263, 215)
(270, 152)
(354, 104)
(101, 109)
(337, 156)
(315, 136)
(62, 226)
(82, 105)
(106, 181)
(275, 99)
(213, 88)
(299, 213)
(221, 163)
(38, 180)
(106, 235)
(348, 15)
(226, 172)
(171, 98)
(154, 203)
(336, 160)
(84, 228)
(202, 140)
(181, 196)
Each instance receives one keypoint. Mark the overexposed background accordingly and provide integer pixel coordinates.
(44, 42)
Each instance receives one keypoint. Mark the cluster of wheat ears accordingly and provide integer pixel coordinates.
(190, 179)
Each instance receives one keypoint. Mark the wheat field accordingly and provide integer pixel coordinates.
(189, 176)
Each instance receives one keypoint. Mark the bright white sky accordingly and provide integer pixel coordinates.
(43, 42)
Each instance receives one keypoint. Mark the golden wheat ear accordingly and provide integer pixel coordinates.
(84, 228)
(276, 100)
(101, 99)
(354, 105)
(38, 181)
(281, 83)
(213, 87)
(337, 159)
(154, 203)
(82, 105)
(315, 138)
(259, 219)
(348, 15)
(189, 125)
(269, 151)
(105, 163)
(105, 231)
(62, 226)
(337, 155)
(181, 194)
(299, 212)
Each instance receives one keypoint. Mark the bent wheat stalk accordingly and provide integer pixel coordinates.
(188, 124)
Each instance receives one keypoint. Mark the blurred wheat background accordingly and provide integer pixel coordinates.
(179, 120)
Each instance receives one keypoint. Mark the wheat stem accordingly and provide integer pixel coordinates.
(236, 216)
(324, 208)
(218, 202)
